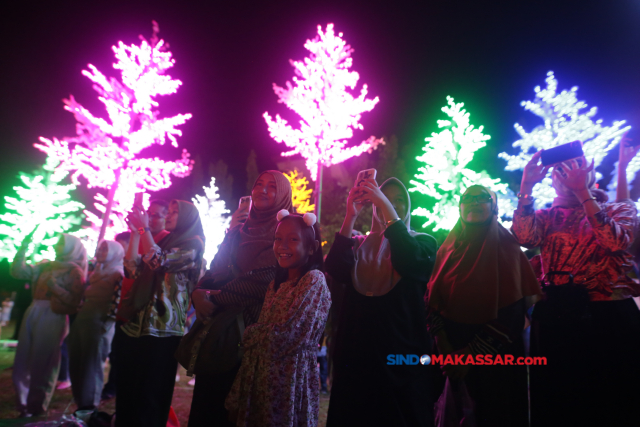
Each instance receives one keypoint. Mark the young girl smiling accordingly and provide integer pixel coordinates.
(278, 382)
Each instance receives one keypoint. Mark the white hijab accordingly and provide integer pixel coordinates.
(373, 273)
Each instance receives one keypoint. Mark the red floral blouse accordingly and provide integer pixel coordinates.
(592, 249)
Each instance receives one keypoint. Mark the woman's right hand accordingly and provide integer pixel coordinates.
(354, 202)
(28, 238)
(533, 173)
(204, 307)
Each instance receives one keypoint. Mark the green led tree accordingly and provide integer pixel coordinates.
(444, 176)
(42, 201)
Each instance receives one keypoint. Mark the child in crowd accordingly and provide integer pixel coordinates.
(278, 381)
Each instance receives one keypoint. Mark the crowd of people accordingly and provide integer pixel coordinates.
(263, 303)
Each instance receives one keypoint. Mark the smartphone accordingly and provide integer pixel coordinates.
(244, 205)
(568, 151)
(365, 174)
(137, 201)
(362, 176)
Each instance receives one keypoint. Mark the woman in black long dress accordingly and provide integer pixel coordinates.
(383, 314)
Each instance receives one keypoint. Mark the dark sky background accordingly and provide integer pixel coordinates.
(488, 54)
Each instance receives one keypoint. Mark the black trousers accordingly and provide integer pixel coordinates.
(145, 379)
(110, 386)
(209, 394)
(592, 372)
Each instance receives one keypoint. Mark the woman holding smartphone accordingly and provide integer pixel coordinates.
(382, 314)
(588, 327)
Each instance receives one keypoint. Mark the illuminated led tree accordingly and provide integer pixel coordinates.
(107, 153)
(41, 201)
(565, 119)
(445, 177)
(300, 195)
(329, 113)
(213, 214)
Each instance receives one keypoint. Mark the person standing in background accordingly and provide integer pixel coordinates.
(57, 288)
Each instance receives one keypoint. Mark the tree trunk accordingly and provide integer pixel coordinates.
(318, 192)
(107, 211)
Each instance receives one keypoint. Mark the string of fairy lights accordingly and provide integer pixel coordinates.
(106, 154)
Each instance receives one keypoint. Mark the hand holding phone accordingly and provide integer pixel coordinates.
(138, 200)
(361, 178)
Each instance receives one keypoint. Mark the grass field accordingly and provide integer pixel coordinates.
(62, 400)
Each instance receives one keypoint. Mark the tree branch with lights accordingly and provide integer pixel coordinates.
(565, 119)
(42, 201)
(320, 95)
(107, 153)
(445, 176)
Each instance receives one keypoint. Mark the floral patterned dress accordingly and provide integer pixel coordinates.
(278, 382)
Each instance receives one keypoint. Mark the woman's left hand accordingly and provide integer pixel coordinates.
(138, 218)
(627, 151)
(371, 191)
(572, 176)
(457, 372)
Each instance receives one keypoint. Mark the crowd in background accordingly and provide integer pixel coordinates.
(258, 348)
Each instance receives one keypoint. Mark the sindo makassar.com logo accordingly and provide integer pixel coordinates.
(408, 359)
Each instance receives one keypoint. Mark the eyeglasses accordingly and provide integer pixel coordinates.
(480, 198)
(157, 216)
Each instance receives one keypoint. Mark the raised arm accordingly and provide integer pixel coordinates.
(525, 224)
(19, 267)
(412, 257)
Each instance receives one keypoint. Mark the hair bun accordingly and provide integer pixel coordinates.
(281, 214)
(309, 219)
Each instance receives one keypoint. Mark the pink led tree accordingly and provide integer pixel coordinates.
(321, 97)
(106, 152)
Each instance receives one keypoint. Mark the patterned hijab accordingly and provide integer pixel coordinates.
(479, 269)
(373, 273)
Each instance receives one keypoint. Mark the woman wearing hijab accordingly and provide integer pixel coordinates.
(57, 288)
(477, 301)
(383, 314)
(156, 308)
(239, 277)
(93, 329)
(590, 312)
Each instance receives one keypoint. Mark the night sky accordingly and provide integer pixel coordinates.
(488, 54)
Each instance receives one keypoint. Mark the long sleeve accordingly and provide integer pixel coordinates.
(613, 226)
(297, 325)
(171, 261)
(412, 257)
(21, 270)
(247, 289)
(341, 259)
(529, 226)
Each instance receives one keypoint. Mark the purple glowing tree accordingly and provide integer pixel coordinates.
(329, 112)
(106, 153)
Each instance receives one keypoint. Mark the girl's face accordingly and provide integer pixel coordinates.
(263, 195)
(475, 205)
(171, 221)
(289, 247)
(102, 252)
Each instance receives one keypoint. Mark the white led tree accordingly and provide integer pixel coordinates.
(214, 217)
(321, 96)
(107, 153)
(445, 176)
(42, 201)
(565, 119)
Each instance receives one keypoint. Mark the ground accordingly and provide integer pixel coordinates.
(62, 400)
